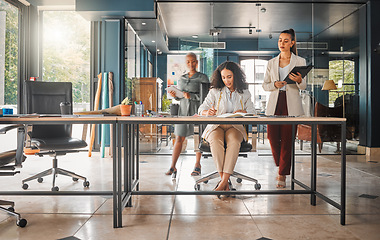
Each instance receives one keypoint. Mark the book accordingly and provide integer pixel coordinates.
(236, 115)
(178, 93)
(304, 70)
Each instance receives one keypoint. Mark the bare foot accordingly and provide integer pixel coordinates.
(222, 186)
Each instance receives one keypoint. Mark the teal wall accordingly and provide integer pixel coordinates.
(114, 5)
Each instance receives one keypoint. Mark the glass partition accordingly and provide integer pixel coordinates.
(248, 32)
(9, 51)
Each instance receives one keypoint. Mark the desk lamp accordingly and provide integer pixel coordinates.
(330, 85)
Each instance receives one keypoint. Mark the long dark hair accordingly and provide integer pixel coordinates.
(239, 76)
(293, 35)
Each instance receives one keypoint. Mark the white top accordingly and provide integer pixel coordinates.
(231, 99)
(218, 99)
(293, 98)
(283, 72)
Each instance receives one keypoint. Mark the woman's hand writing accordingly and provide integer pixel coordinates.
(296, 77)
(210, 112)
(242, 111)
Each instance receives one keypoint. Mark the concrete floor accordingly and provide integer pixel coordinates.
(197, 217)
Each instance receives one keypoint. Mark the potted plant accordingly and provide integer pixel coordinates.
(126, 107)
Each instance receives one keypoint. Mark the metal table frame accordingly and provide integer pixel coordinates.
(75, 120)
(126, 176)
(128, 125)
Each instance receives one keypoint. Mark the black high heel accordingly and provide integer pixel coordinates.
(172, 172)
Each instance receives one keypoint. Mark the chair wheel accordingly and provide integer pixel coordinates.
(239, 180)
(22, 222)
(86, 184)
(205, 182)
(11, 209)
(40, 180)
(25, 186)
(257, 186)
(197, 187)
(75, 179)
(55, 189)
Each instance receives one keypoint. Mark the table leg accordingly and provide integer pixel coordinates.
(137, 154)
(313, 168)
(129, 163)
(343, 175)
(125, 153)
(119, 174)
(292, 158)
(114, 189)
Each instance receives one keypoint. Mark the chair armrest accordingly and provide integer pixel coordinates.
(4, 130)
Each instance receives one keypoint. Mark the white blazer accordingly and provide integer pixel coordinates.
(293, 98)
(218, 99)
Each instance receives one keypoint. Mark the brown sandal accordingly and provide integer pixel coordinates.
(172, 172)
(196, 171)
(281, 184)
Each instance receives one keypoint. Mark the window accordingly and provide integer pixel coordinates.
(255, 70)
(66, 53)
(9, 40)
(343, 74)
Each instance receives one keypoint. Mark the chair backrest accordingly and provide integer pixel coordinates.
(15, 157)
(203, 91)
(330, 133)
(45, 98)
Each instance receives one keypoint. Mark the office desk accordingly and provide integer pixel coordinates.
(129, 125)
(74, 120)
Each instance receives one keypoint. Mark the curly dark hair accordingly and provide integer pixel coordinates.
(239, 76)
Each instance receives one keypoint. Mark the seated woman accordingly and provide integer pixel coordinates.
(228, 94)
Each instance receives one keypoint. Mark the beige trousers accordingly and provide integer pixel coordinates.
(225, 158)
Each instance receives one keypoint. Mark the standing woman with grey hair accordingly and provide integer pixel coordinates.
(284, 99)
(189, 83)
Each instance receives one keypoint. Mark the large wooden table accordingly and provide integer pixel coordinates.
(126, 176)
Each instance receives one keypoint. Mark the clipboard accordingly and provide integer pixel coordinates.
(304, 70)
(178, 93)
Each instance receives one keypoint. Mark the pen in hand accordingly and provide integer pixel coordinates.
(211, 111)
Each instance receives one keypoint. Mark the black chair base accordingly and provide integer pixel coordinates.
(11, 211)
(55, 171)
(239, 177)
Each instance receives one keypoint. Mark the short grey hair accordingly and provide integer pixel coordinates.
(191, 54)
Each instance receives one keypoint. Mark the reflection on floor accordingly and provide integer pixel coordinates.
(197, 217)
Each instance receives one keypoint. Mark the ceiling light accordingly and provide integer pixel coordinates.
(194, 36)
(158, 49)
(153, 41)
(263, 10)
(143, 23)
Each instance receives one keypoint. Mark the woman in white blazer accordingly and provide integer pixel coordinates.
(228, 94)
(284, 99)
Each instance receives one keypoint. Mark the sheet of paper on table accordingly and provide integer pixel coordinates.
(237, 115)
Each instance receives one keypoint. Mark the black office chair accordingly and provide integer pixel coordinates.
(204, 147)
(52, 140)
(9, 160)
